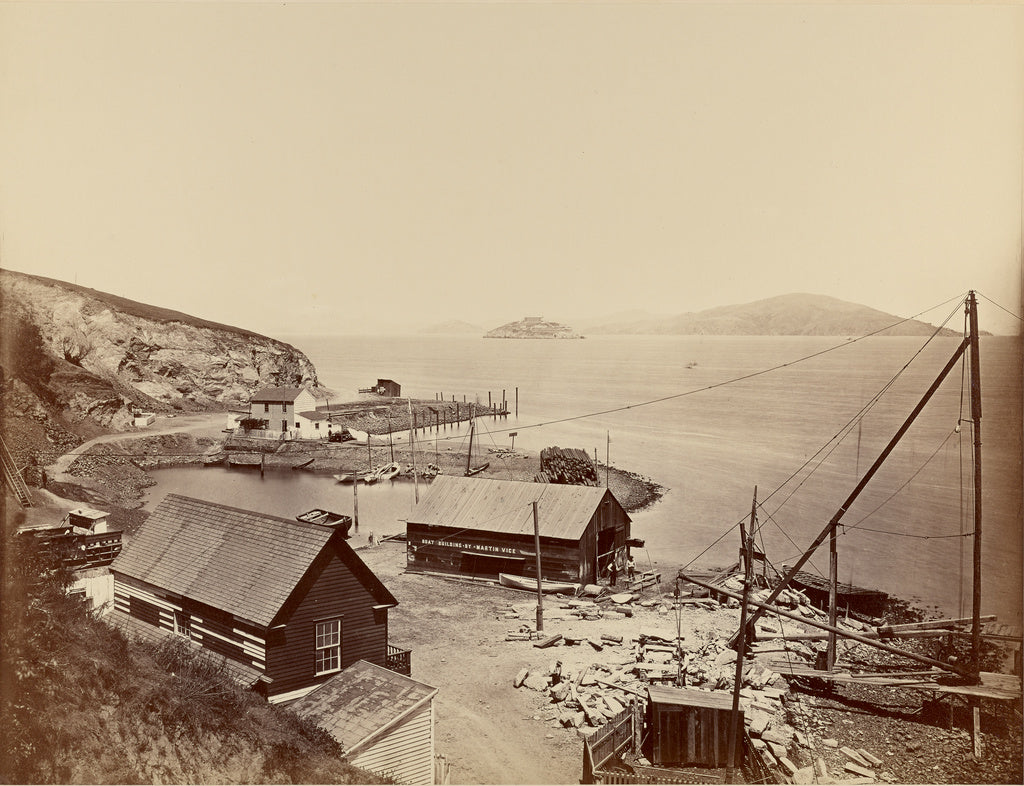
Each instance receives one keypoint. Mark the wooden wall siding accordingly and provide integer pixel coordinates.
(560, 559)
(142, 610)
(609, 516)
(332, 592)
(229, 640)
(691, 736)
(406, 753)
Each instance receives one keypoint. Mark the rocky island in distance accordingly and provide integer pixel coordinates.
(532, 327)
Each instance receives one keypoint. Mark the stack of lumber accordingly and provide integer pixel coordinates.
(568, 466)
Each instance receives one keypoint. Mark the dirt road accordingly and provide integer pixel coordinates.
(208, 423)
(490, 731)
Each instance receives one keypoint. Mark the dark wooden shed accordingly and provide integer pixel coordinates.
(285, 603)
(388, 387)
(484, 527)
(691, 727)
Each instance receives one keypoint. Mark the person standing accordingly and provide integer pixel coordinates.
(613, 571)
(630, 567)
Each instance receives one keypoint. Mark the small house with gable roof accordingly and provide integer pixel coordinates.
(286, 604)
(279, 406)
(383, 720)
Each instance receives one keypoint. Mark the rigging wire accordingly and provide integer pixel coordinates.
(685, 393)
(843, 432)
(990, 300)
(848, 427)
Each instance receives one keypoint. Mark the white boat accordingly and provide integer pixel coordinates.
(388, 471)
(526, 583)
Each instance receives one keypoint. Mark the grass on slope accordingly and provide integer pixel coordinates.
(80, 704)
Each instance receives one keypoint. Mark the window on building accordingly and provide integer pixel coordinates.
(183, 624)
(328, 646)
(284, 406)
(266, 407)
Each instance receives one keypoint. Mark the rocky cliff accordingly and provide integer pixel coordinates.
(91, 358)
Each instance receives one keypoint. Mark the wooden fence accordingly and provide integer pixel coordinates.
(608, 741)
(623, 733)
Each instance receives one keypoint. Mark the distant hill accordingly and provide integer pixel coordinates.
(453, 327)
(784, 315)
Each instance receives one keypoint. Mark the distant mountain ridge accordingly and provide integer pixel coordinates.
(453, 327)
(798, 314)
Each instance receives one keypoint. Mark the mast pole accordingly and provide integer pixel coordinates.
(540, 591)
(858, 489)
(412, 446)
(734, 719)
(469, 455)
(972, 313)
(833, 581)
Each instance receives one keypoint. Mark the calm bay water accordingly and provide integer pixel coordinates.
(711, 447)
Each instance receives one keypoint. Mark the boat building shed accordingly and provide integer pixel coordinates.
(483, 527)
(285, 604)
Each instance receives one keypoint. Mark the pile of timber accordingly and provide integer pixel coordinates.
(567, 466)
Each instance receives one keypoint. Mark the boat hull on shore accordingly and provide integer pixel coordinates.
(526, 583)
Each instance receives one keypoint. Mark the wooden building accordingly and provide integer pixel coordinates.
(691, 727)
(485, 527)
(279, 406)
(384, 387)
(287, 604)
(383, 720)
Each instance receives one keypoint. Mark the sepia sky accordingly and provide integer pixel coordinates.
(333, 167)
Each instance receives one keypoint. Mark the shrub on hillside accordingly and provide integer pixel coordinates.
(81, 703)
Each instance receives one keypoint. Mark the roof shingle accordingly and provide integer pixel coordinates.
(360, 701)
(236, 560)
(271, 395)
(506, 506)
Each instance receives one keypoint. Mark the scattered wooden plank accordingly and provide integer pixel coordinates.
(550, 641)
(855, 757)
(856, 769)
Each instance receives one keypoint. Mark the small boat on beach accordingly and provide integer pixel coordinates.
(346, 478)
(326, 518)
(388, 471)
(304, 465)
(212, 459)
(526, 583)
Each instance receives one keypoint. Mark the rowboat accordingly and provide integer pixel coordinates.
(388, 471)
(348, 478)
(546, 585)
(326, 518)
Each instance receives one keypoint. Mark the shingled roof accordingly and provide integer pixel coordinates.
(272, 395)
(506, 506)
(239, 561)
(360, 702)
